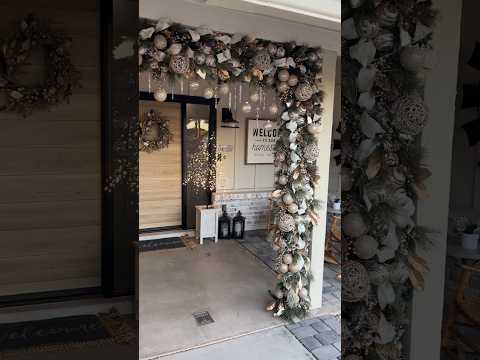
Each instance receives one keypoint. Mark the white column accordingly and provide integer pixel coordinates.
(321, 190)
(440, 92)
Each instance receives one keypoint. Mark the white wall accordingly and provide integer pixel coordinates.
(433, 212)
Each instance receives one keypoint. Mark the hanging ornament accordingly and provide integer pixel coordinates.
(194, 85)
(160, 42)
(283, 75)
(292, 208)
(160, 94)
(180, 64)
(288, 199)
(273, 109)
(387, 14)
(353, 225)
(410, 115)
(262, 61)
(292, 80)
(246, 108)
(200, 58)
(367, 27)
(304, 91)
(283, 87)
(311, 152)
(355, 282)
(254, 97)
(224, 89)
(208, 93)
(287, 259)
(413, 58)
(286, 223)
(365, 247)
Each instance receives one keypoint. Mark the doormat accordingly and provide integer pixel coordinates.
(161, 244)
(65, 333)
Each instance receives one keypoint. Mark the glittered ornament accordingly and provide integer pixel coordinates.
(283, 75)
(287, 199)
(367, 27)
(292, 208)
(208, 93)
(387, 14)
(160, 42)
(365, 247)
(353, 225)
(262, 61)
(355, 282)
(311, 152)
(304, 91)
(160, 94)
(410, 115)
(286, 223)
(413, 58)
(287, 259)
(246, 108)
(200, 58)
(210, 61)
(283, 180)
(292, 80)
(283, 87)
(180, 64)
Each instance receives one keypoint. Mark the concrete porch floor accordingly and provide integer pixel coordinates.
(228, 279)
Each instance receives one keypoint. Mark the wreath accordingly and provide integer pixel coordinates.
(61, 75)
(154, 132)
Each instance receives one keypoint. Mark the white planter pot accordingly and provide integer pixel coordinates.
(470, 241)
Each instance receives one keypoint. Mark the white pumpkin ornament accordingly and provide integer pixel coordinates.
(353, 225)
(365, 247)
(296, 265)
(160, 94)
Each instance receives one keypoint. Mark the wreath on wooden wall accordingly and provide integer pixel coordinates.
(61, 75)
(155, 132)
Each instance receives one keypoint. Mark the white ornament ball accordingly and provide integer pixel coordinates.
(283, 75)
(283, 180)
(297, 265)
(353, 225)
(292, 208)
(194, 85)
(315, 128)
(413, 58)
(303, 293)
(160, 42)
(160, 94)
(301, 244)
(287, 259)
(273, 109)
(311, 152)
(246, 108)
(254, 97)
(208, 93)
(292, 80)
(365, 247)
(224, 89)
(286, 223)
(288, 199)
(282, 87)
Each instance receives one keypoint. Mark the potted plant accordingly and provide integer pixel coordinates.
(469, 231)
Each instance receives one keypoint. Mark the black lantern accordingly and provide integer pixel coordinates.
(224, 224)
(238, 227)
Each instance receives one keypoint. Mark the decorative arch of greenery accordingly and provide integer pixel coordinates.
(385, 46)
(175, 52)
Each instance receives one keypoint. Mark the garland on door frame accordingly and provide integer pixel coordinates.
(176, 52)
(384, 49)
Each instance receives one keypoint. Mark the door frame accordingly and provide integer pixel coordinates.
(183, 100)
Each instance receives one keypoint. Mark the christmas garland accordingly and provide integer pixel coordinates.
(384, 49)
(174, 52)
(61, 75)
(154, 133)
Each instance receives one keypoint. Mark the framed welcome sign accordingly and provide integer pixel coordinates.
(261, 141)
